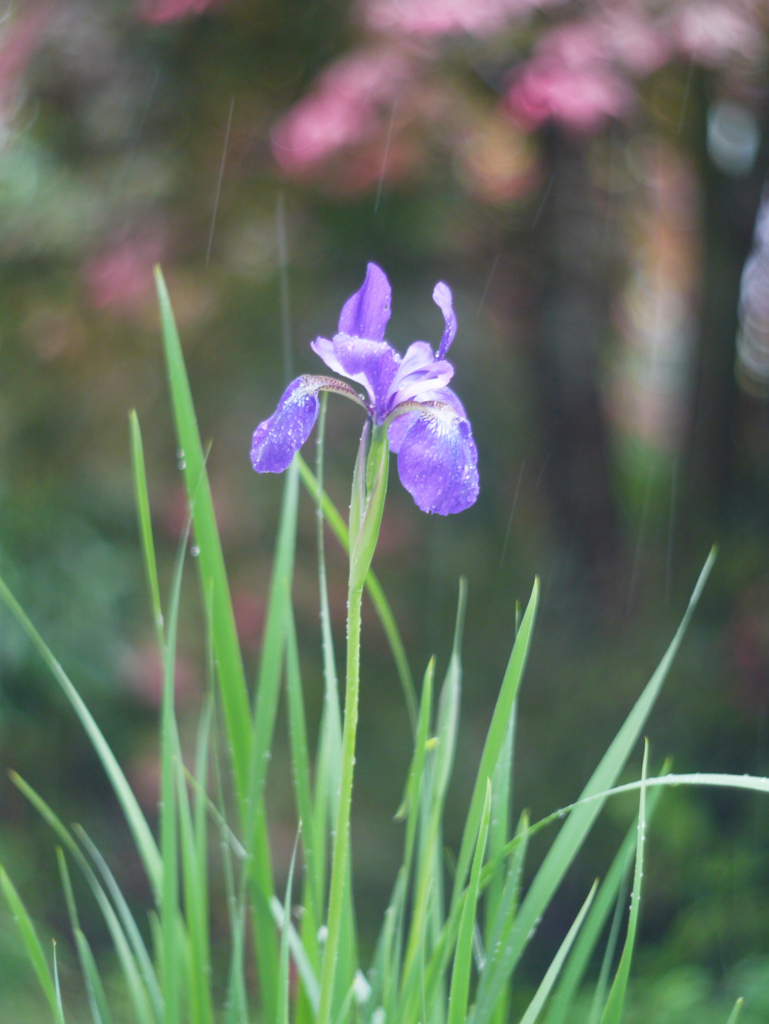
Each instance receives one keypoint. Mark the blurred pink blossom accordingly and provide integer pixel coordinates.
(712, 33)
(446, 17)
(144, 673)
(635, 42)
(576, 45)
(157, 12)
(20, 36)
(577, 75)
(120, 277)
(616, 36)
(581, 99)
(348, 105)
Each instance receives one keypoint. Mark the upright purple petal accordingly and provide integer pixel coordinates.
(438, 462)
(442, 298)
(365, 314)
(277, 439)
(419, 372)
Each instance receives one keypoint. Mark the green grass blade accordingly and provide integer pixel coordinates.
(495, 739)
(232, 683)
(410, 804)
(31, 945)
(459, 994)
(145, 525)
(299, 955)
(594, 924)
(170, 768)
(500, 813)
(736, 1011)
(342, 1017)
(135, 986)
(393, 931)
(448, 705)
(274, 640)
(588, 939)
(385, 972)
(502, 921)
(56, 984)
(283, 975)
(214, 586)
(200, 807)
(373, 586)
(236, 1000)
(195, 886)
(602, 984)
(94, 988)
(97, 997)
(433, 975)
(265, 709)
(580, 821)
(145, 842)
(540, 996)
(128, 932)
(66, 883)
(300, 757)
(236, 1004)
(300, 762)
(612, 1013)
(430, 847)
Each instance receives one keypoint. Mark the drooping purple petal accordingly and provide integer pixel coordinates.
(397, 430)
(442, 298)
(365, 314)
(438, 462)
(399, 426)
(419, 372)
(370, 363)
(277, 439)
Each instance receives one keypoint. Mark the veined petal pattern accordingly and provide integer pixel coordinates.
(438, 461)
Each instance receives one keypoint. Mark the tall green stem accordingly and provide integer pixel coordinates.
(341, 854)
(369, 490)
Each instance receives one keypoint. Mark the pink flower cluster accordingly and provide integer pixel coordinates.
(582, 72)
(158, 12)
(714, 32)
(349, 104)
(430, 18)
(20, 36)
(578, 74)
(119, 277)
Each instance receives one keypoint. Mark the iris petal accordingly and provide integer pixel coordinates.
(437, 457)
(399, 426)
(442, 298)
(438, 462)
(365, 314)
(277, 439)
(370, 363)
(324, 348)
(419, 372)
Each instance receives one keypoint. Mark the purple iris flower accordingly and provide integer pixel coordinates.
(426, 423)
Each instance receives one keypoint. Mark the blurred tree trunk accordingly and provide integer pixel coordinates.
(568, 262)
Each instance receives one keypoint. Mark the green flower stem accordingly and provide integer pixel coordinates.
(361, 554)
(341, 855)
